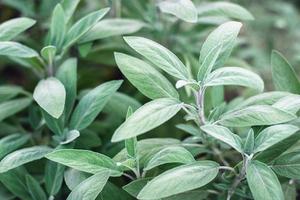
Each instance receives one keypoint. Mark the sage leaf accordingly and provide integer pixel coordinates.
(11, 143)
(183, 9)
(145, 78)
(92, 103)
(147, 117)
(84, 160)
(171, 154)
(249, 143)
(235, 76)
(272, 135)
(287, 165)
(16, 49)
(90, 188)
(58, 27)
(48, 53)
(263, 182)
(54, 174)
(22, 156)
(159, 56)
(70, 136)
(11, 107)
(69, 7)
(34, 188)
(290, 103)
(9, 91)
(74, 177)
(50, 94)
(169, 183)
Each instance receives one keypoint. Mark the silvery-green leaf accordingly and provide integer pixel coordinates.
(11, 28)
(290, 103)
(74, 177)
(288, 165)
(180, 179)
(225, 135)
(173, 154)
(112, 27)
(145, 78)
(183, 9)
(92, 103)
(134, 187)
(15, 49)
(48, 53)
(191, 129)
(11, 107)
(22, 156)
(147, 117)
(9, 91)
(34, 188)
(256, 116)
(284, 76)
(82, 26)
(182, 83)
(70, 136)
(54, 174)
(84, 160)
(224, 9)
(11, 143)
(272, 135)
(90, 188)
(224, 35)
(159, 56)
(235, 76)
(55, 125)
(50, 94)
(263, 182)
(58, 27)
(69, 7)
(249, 142)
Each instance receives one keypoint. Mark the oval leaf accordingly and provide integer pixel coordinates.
(10, 108)
(288, 165)
(15, 49)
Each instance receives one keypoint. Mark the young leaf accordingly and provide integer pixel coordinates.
(131, 143)
(235, 76)
(15, 49)
(70, 136)
(249, 142)
(11, 143)
(35, 189)
(83, 26)
(112, 27)
(11, 107)
(263, 182)
(159, 56)
(92, 103)
(22, 156)
(50, 94)
(90, 188)
(69, 6)
(84, 160)
(67, 74)
(169, 183)
(256, 116)
(224, 9)
(171, 154)
(224, 35)
(183, 9)
(284, 76)
(147, 117)
(54, 174)
(288, 165)
(11, 28)
(272, 135)
(58, 27)
(225, 135)
(145, 78)
(48, 53)
(290, 103)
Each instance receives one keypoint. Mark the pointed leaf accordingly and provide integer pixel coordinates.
(34, 188)
(11, 107)
(11, 143)
(58, 27)
(69, 7)
(15, 49)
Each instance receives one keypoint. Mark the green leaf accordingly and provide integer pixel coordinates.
(249, 143)
(147, 117)
(35, 189)
(58, 27)
(290, 103)
(112, 27)
(11, 28)
(224, 35)
(84, 160)
(74, 177)
(183, 9)
(272, 135)
(69, 6)
(48, 53)
(90, 188)
(9, 91)
(22, 156)
(11, 143)
(10, 108)
(82, 26)
(224, 9)
(289, 82)
(15, 49)
(159, 56)
(145, 78)
(54, 174)
(171, 154)
(289, 190)
(70, 136)
(134, 187)
(92, 103)
(235, 76)
(55, 125)
(67, 74)
(263, 182)
(288, 165)
(169, 183)
(256, 116)
(50, 94)
(225, 135)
